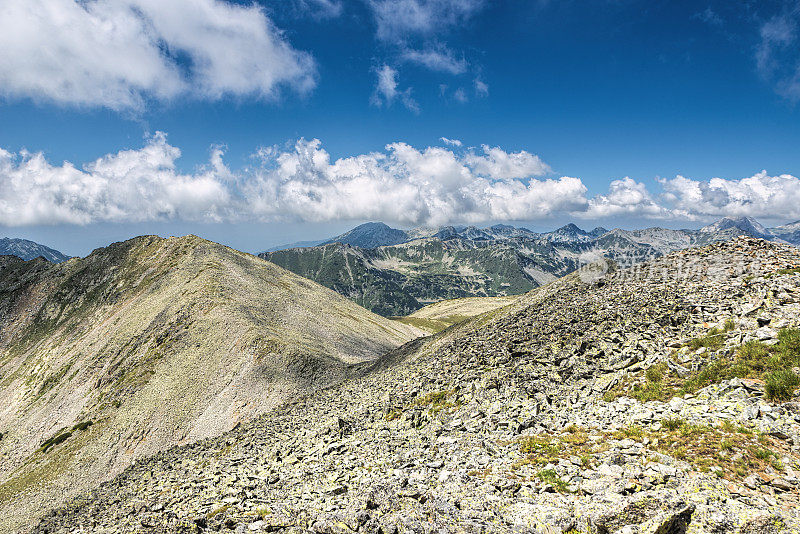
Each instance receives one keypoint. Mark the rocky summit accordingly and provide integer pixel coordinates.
(654, 399)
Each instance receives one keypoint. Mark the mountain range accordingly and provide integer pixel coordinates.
(28, 250)
(395, 272)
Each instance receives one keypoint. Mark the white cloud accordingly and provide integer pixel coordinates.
(625, 197)
(481, 89)
(502, 165)
(387, 84)
(399, 19)
(451, 142)
(777, 57)
(761, 195)
(401, 184)
(406, 185)
(438, 59)
(460, 95)
(710, 17)
(131, 185)
(386, 90)
(119, 53)
(322, 8)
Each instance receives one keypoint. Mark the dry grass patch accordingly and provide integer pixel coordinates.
(732, 451)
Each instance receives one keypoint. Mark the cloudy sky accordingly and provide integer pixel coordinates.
(260, 123)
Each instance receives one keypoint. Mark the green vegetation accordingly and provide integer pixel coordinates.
(653, 387)
(730, 450)
(548, 476)
(754, 360)
(59, 437)
(394, 281)
(79, 427)
(437, 401)
(793, 270)
(217, 511)
(780, 384)
(429, 325)
(713, 340)
(63, 435)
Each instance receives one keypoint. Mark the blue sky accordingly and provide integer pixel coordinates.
(620, 113)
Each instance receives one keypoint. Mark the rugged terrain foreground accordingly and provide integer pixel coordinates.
(657, 399)
(151, 343)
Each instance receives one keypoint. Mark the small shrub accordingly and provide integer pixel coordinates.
(673, 424)
(762, 453)
(80, 427)
(60, 437)
(391, 415)
(218, 511)
(729, 325)
(713, 340)
(728, 426)
(539, 446)
(753, 352)
(656, 372)
(549, 476)
(780, 385)
(632, 432)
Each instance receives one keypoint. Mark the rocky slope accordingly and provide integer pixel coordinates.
(149, 343)
(28, 250)
(636, 400)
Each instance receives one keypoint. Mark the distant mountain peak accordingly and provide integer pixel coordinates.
(747, 225)
(28, 250)
(371, 235)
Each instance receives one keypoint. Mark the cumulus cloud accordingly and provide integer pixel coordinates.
(400, 184)
(438, 59)
(129, 186)
(407, 185)
(502, 165)
(119, 53)
(761, 195)
(400, 19)
(625, 197)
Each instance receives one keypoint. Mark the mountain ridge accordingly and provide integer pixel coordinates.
(151, 342)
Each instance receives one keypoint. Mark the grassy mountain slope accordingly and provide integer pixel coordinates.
(153, 342)
(440, 315)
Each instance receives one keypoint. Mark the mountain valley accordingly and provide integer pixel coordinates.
(394, 272)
